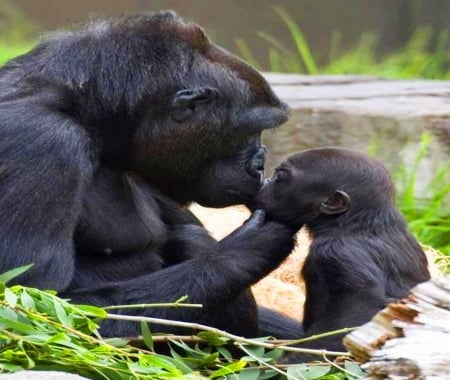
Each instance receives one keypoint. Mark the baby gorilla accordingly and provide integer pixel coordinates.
(362, 255)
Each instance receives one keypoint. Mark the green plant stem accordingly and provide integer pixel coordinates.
(149, 305)
(338, 367)
(75, 332)
(281, 372)
(319, 336)
(197, 326)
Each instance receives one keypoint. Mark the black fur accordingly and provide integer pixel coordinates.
(106, 134)
(362, 255)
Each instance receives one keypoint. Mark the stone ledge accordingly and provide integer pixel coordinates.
(363, 113)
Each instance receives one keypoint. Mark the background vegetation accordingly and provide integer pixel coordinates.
(419, 58)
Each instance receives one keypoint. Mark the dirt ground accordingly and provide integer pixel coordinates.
(283, 289)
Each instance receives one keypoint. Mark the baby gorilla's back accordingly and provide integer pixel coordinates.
(362, 255)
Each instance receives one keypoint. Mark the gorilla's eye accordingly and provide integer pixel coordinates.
(281, 176)
(185, 101)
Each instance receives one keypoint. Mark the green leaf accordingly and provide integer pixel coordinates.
(209, 359)
(179, 362)
(228, 369)
(303, 371)
(147, 335)
(117, 342)
(20, 327)
(62, 316)
(274, 354)
(269, 374)
(213, 338)
(9, 367)
(355, 369)
(257, 351)
(13, 273)
(299, 40)
(39, 338)
(64, 340)
(27, 301)
(249, 374)
(225, 353)
(10, 298)
(93, 311)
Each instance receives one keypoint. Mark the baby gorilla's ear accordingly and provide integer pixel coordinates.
(337, 203)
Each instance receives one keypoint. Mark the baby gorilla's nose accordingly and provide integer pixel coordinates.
(256, 164)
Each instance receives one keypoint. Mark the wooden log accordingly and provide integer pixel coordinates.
(409, 339)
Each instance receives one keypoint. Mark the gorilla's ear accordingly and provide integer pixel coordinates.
(258, 119)
(337, 203)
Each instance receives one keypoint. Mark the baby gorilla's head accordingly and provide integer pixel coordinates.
(325, 186)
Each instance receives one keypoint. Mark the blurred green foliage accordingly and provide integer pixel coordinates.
(428, 214)
(8, 51)
(417, 59)
(16, 31)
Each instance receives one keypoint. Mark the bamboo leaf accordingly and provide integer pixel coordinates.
(147, 335)
(26, 300)
(229, 369)
(13, 273)
(10, 298)
(213, 338)
(63, 317)
(93, 311)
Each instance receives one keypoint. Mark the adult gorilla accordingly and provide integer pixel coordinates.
(106, 134)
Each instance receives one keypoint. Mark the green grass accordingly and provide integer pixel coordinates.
(428, 214)
(8, 51)
(414, 60)
(16, 31)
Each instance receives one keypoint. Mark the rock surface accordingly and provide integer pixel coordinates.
(365, 113)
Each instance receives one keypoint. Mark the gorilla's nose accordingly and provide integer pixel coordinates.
(256, 164)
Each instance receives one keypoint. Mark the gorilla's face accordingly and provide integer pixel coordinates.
(199, 137)
(234, 179)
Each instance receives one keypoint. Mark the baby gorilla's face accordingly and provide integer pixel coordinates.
(283, 195)
(304, 189)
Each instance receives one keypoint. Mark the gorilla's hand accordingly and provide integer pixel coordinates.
(269, 241)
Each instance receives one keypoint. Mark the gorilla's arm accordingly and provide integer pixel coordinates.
(44, 169)
(216, 280)
(186, 242)
(272, 323)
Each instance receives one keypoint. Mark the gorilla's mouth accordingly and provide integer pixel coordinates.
(256, 164)
(255, 171)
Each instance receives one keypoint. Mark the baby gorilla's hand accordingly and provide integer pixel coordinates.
(250, 227)
(270, 240)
